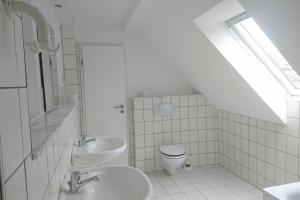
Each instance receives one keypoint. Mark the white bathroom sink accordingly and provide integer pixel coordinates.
(283, 192)
(98, 152)
(115, 183)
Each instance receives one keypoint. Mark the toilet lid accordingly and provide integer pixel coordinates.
(172, 150)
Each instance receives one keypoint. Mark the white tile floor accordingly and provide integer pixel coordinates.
(202, 183)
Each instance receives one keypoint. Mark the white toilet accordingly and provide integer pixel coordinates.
(172, 157)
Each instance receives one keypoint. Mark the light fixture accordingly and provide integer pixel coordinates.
(43, 43)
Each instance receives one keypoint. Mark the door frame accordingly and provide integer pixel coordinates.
(80, 61)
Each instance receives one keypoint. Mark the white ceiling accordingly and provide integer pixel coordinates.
(97, 12)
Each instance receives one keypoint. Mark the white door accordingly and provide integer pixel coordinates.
(104, 91)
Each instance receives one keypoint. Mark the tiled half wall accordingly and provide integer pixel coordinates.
(261, 152)
(193, 125)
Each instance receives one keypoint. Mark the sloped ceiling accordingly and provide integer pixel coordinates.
(169, 27)
(173, 34)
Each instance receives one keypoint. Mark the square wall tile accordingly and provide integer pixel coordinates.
(176, 137)
(193, 112)
(201, 100)
(193, 100)
(158, 139)
(70, 62)
(71, 77)
(201, 123)
(68, 32)
(292, 164)
(201, 111)
(184, 125)
(166, 99)
(148, 103)
(185, 137)
(158, 126)
(184, 101)
(150, 153)
(280, 160)
(149, 140)
(175, 101)
(138, 103)
(140, 154)
(140, 141)
(281, 142)
(69, 46)
(72, 90)
(175, 125)
(293, 127)
(292, 145)
(167, 138)
(148, 115)
(139, 128)
(149, 128)
(167, 126)
(193, 124)
(293, 109)
(184, 112)
(138, 115)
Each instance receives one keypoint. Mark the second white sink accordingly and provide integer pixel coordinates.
(283, 192)
(98, 152)
(115, 183)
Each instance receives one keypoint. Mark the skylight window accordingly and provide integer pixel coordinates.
(250, 36)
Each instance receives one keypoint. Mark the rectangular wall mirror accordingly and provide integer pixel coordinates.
(42, 81)
(49, 76)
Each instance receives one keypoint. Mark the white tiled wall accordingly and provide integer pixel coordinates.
(44, 173)
(12, 70)
(11, 128)
(71, 69)
(23, 177)
(193, 126)
(261, 152)
(72, 72)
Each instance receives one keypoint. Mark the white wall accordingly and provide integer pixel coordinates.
(146, 70)
(21, 176)
(177, 39)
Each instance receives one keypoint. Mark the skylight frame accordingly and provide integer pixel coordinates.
(260, 55)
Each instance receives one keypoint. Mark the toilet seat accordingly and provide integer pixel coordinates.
(172, 151)
(172, 157)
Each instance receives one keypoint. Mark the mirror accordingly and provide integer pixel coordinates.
(42, 85)
(34, 87)
(49, 80)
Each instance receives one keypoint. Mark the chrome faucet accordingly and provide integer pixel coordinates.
(83, 140)
(75, 183)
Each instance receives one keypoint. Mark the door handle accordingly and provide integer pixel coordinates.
(120, 106)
